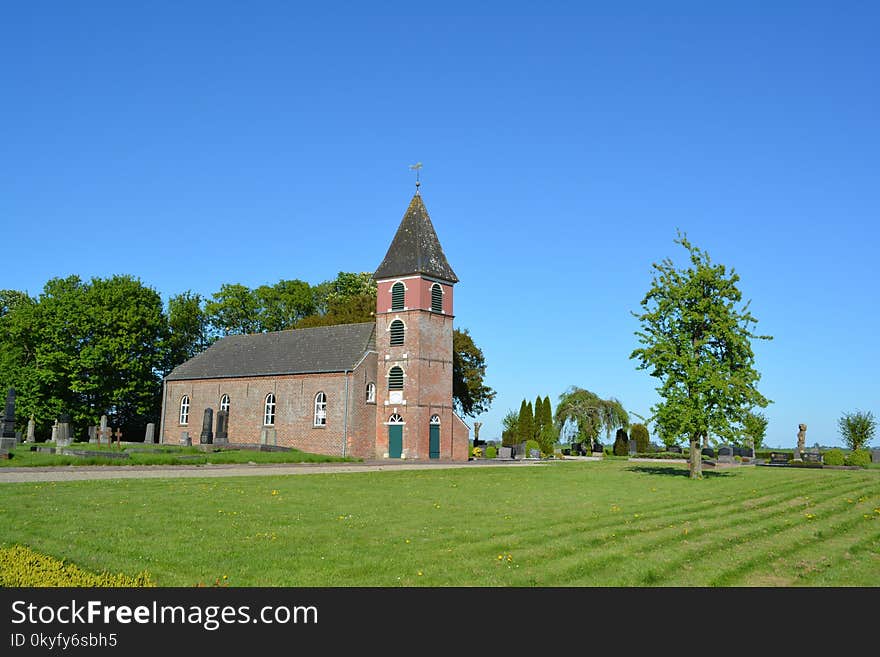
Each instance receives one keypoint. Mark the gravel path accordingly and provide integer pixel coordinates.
(92, 472)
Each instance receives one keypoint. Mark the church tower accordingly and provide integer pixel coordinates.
(414, 413)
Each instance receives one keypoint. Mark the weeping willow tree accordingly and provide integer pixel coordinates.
(590, 413)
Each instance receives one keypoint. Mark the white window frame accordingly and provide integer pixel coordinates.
(269, 410)
(320, 409)
(371, 393)
(224, 402)
(184, 410)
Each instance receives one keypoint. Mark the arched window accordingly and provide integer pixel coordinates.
(269, 411)
(224, 403)
(320, 409)
(395, 419)
(435, 419)
(371, 393)
(395, 379)
(397, 331)
(397, 296)
(184, 409)
(436, 298)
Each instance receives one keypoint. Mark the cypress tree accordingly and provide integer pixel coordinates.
(538, 427)
(524, 424)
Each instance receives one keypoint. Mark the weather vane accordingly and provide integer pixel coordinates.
(416, 167)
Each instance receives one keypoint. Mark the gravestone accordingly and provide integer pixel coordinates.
(207, 436)
(54, 431)
(150, 434)
(505, 453)
(102, 430)
(725, 454)
(31, 431)
(222, 435)
(597, 448)
(633, 447)
(7, 422)
(674, 449)
(708, 451)
(875, 456)
(535, 453)
(268, 436)
(801, 441)
(185, 440)
(63, 438)
(93, 434)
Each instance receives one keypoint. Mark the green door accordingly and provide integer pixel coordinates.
(434, 442)
(395, 440)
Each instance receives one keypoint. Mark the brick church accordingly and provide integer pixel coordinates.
(377, 390)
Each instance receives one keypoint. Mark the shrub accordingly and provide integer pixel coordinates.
(491, 452)
(621, 443)
(857, 429)
(21, 566)
(834, 457)
(477, 452)
(860, 457)
(639, 433)
(804, 464)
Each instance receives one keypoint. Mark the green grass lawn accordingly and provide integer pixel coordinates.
(561, 524)
(170, 455)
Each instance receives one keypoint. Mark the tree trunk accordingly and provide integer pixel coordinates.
(696, 460)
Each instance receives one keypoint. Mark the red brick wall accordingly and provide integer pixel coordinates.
(426, 359)
(417, 294)
(294, 410)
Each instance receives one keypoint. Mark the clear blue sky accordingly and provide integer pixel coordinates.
(194, 144)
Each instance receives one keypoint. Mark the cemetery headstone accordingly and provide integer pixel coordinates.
(185, 439)
(30, 437)
(54, 431)
(102, 430)
(221, 437)
(150, 434)
(633, 447)
(268, 436)
(118, 435)
(597, 448)
(505, 453)
(63, 438)
(708, 451)
(725, 454)
(534, 453)
(875, 456)
(674, 449)
(93, 434)
(7, 422)
(207, 436)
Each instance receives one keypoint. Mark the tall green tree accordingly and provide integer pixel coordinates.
(548, 434)
(583, 407)
(755, 428)
(697, 342)
(282, 305)
(538, 425)
(234, 310)
(857, 429)
(525, 422)
(509, 428)
(188, 329)
(470, 395)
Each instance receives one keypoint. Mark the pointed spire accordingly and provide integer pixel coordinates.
(415, 248)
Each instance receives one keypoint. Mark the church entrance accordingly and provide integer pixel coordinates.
(434, 438)
(395, 436)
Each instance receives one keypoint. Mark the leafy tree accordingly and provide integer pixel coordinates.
(755, 428)
(857, 429)
(510, 430)
(612, 415)
(470, 395)
(234, 310)
(282, 305)
(639, 433)
(548, 434)
(343, 310)
(538, 425)
(697, 342)
(582, 407)
(621, 443)
(188, 329)
(524, 423)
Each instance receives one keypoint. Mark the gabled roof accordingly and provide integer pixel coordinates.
(415, 248)
(298, 351)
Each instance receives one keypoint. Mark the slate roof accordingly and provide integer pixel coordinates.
(415, 248)
(297, 351)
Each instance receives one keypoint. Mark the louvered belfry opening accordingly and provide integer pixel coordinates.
(436, 298)
(395, 379)
(397, 333)
(397, 296)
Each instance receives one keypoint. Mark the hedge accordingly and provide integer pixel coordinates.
(22, 566)
(861, 457)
